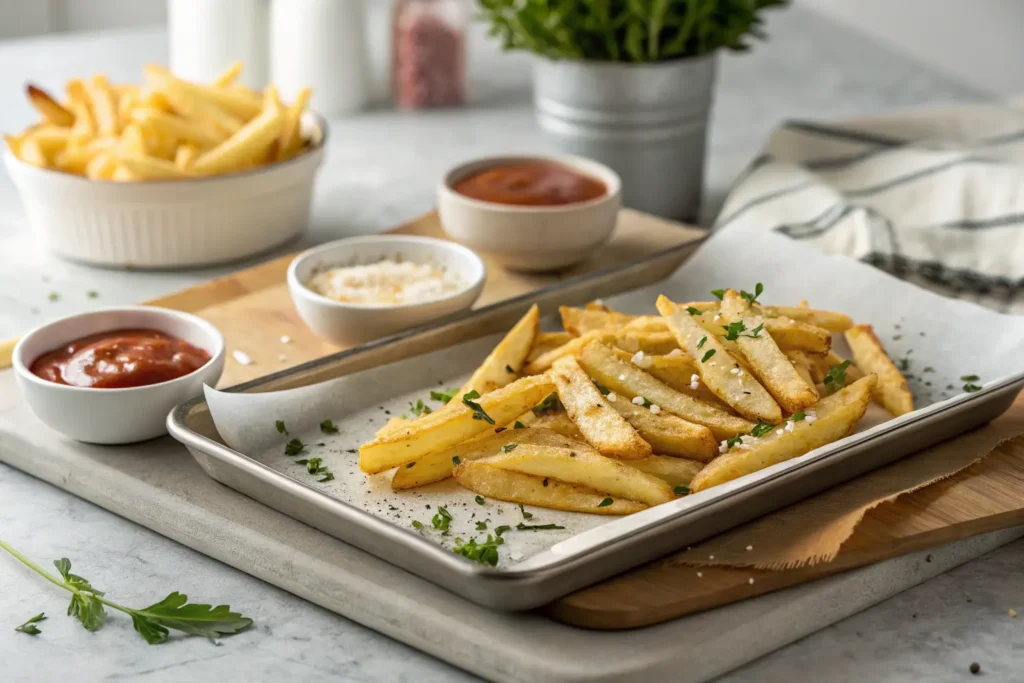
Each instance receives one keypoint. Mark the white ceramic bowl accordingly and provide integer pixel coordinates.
(346, 324)
(175, 223)
(531, 238)
(114, 416)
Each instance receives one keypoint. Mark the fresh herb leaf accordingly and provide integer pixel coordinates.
(92, 294)
(692, 311)
(418, 525)
(605, 503)
(329, 476)
(836, 377)
(797, 417)
(680, 490)
(443, 519)
(502, 529)
(281, 429)
(54, 296)
(481, 526)
(526, 515)
(700, 344)
(752, 298)
(756, 332)
(761, 429)
(734, 441)
(543, 527)
(351, 450)
(550, 403)
(968, 378)
(456, 460)
(732, 330)
(647, 402)
(707, 356)
(327, 427)
(294, 447)
(509, 447)
(602, 388)
(478, 412)
(444, 396)
(718, 293)
(971, 388)
(480, 500)
(484, 553)
(30, 627)
(313, 466)
(420, 408)
(518, 425)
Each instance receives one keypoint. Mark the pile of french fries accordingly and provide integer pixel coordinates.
(165, 129)
(620, 412)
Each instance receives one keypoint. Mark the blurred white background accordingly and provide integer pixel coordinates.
(975, 40)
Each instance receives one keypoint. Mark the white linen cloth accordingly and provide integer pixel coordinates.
(933, 196)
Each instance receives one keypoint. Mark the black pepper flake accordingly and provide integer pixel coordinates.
(975, 668)
(387, 412)
(929, 558)
(545, 481)
(572, 454)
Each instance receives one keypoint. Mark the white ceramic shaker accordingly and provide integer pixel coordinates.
(320, 44)
(206, 36)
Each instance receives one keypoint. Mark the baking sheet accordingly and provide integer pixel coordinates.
(939, 340)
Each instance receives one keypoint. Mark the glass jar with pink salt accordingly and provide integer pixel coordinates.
(429, 53)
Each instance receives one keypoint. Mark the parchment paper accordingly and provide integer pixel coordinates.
(938, 340)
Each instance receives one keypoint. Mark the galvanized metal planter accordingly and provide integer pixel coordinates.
(647, 121)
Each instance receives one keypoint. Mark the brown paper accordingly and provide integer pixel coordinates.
(814, 530)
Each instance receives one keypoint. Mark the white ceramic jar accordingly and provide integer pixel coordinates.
(206, 36)
(320, 44)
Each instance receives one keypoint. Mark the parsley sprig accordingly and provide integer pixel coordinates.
(444, 396)
(154, 623)
(484, 553)
(478, 412)
(734, 331)
(836, 377)
(420, 408)
(328, 427)
(550, 403)
(30, 627)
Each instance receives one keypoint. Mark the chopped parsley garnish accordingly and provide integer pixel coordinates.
(526, 515)
(509, 447)
(693, 311)
(480, 500)
(647, 402)
(551, 402)
(419, 408)
(509, 370)
(481, 526)
(797, 417)
(92, 294)
(281, 429)
(680, 490)
(501, 529)
(761, 429)
(418, 525)
(444, 396)
(605, 503)
(752, 298)
(700, 344)
(707, 356)
(54, 296)
(971, 388)
(602, 388)
(443, 519)
(30, 627)
(294, 447)
(313, 465)
(969, 378)
(329, 476)
(484, 553)
(732, 330)
(541, 527)
(734, 441)
(718, 293)
(456, 460)
(756, 332)
(478, 412)
(327, 427)
(518, 425)
(351, 450)
(904, 364)
(836, 376)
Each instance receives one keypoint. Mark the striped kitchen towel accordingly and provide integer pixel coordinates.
(935, 197)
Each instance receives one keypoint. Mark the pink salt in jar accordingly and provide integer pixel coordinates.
(429, 53)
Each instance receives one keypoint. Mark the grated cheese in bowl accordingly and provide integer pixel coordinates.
(386, 283)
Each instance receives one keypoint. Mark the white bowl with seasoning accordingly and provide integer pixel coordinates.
(359, 289)
(531, 213)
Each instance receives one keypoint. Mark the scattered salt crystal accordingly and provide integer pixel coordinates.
(675, 353)
(734, 371)
(241, 357)
(713, 364)
(598, 302)
(285, 339)
(612, 396)
(739, 371)
(622, 377)
(750, 581)
(640, 360)
(750, 547)
(789, 426)
(655, 409)
(716, 318)
(723, 447)
(700, 575)
(515, 557)
(711, 557)
(778, 431)
(638, 400)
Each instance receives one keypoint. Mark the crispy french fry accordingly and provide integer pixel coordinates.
(458, 424)
(27, 150)
(601, 424)
(546, 341)
(76, 156)
(718, 369)
(503, 364)
(184, 129)
(102, 167)
(769, 363)
(891, 390)
(527, 489)
(597, 305)
(125, 105)
(578, 321)
(834, 417)
(793, 334)
(229, 75)
(600, 362)
(104, 105)
(193, 101)
(123, 175)
(677, 371)
(52, 111)
(555, 420)
(666, 433)
(52, 139)
(438, 466)
(152, 168)
(75, 90)
(584, 468)
(805, 364)
(828, 320)
(290, 141)
(133, 142)
(673, 471)
(244, 147)
(185, 155)
(627, 340)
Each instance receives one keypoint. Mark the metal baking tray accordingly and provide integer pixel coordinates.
(579, 565)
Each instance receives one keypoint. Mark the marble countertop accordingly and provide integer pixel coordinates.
(380, 170)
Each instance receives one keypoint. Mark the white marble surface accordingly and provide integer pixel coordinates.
(381, 169)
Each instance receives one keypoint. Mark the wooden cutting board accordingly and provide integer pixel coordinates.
(986, 496)
(253, 310)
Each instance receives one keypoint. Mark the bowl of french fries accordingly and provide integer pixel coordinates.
(618, 413)
(166, 173)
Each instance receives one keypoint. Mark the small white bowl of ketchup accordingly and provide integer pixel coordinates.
(531, 213)
(112, 376)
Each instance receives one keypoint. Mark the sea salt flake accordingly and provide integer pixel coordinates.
(613, 396)
(285, 339)
(640, 360)
(750, 547)
(622, 377)
(750, 581)
(700, 575)
(638, 400)
(789, 426)
(810, 419)
(241, 357)
(655, 409)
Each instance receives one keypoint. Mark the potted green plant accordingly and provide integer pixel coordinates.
(629, 82)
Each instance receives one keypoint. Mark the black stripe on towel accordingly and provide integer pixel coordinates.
(846, 134)
(957, 279)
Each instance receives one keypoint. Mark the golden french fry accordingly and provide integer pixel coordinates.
(28, 150)
(102, 166)
(793, 334)
(185, 155)
(52, 139)
(577, 321)
(627, 340)
(290, 141)
(768, 362)
(547, 341)
(104, 106)
(84, 128)
(184, 129)
(229, 75)
(625, 379)
(604, 428)
(806, 366)
(76, 156)
(438, 466)
(891, 391)
(673, 471)
(75, 90)
(152, 168)
(52, 111)
(718, 369)
(132, 142)
(241, 149)
(458, 424)
(157, 99)
(125, 105)
(828, 320)
(123, 175)
(516, 487)
(666, 433)
(676, 370)
(828, 420)
(555, 420)
(583, 468)
(503, 364)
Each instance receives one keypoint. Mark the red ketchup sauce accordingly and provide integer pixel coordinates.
(120, 359)
(531, 183)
